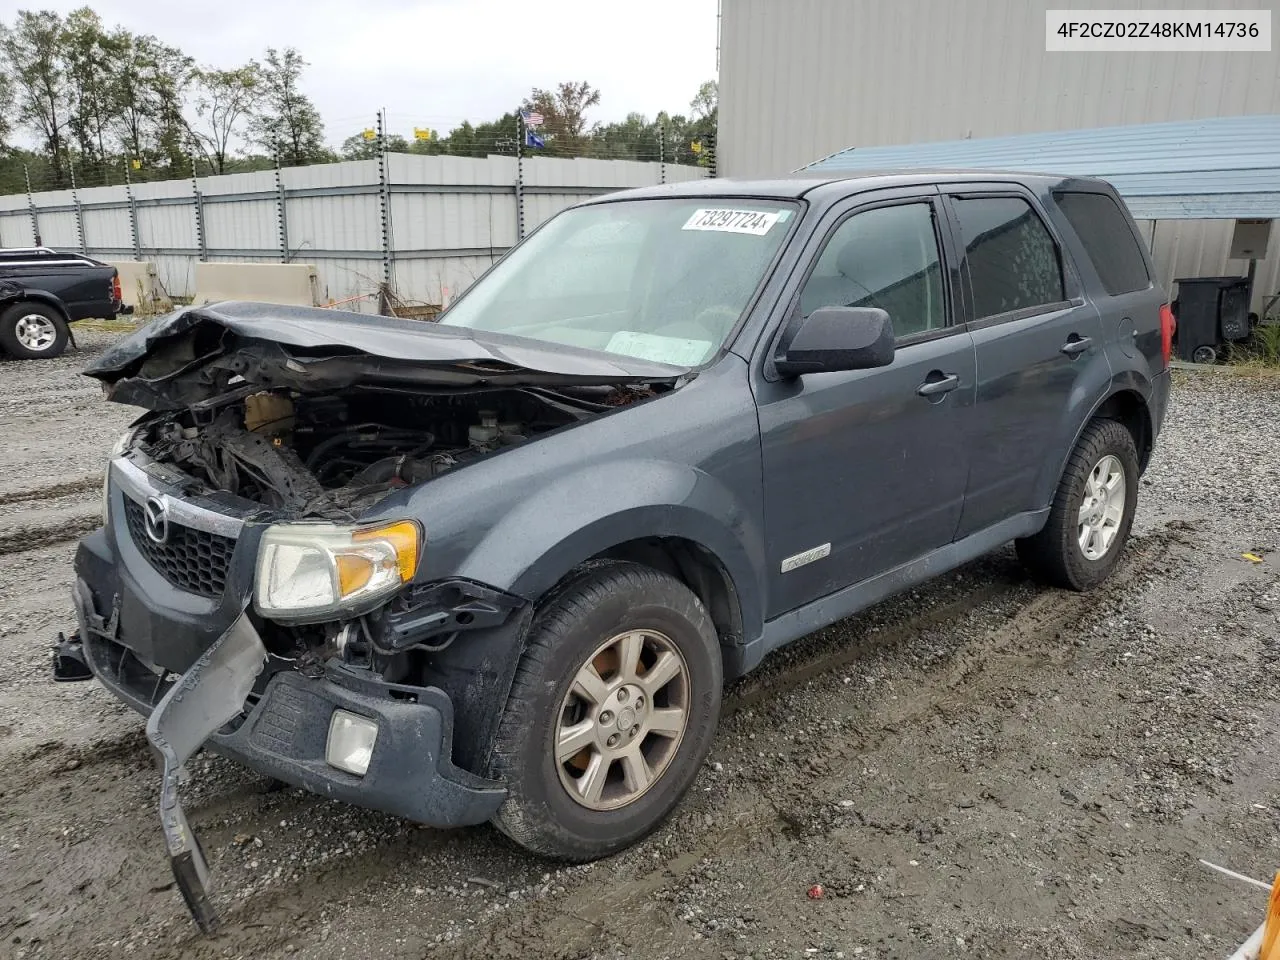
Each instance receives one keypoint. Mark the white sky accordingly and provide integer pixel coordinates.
(438, 62)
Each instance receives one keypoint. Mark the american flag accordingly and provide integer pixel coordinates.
(532, 118)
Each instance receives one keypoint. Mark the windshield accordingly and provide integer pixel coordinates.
(664, 280)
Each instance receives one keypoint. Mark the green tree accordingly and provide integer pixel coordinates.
(89, 53)
(224, 100)
(6, 108)
(285, 118)
(356, 147)
(32, 51)
(149, 82)
(707, 101)
(635, 138)
(564, 113)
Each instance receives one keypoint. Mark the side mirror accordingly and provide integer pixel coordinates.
(837, 338)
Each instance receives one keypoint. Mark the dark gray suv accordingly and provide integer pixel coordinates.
(499, 567)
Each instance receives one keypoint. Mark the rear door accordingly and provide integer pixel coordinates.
(862, 470)
(1108, 250)
(1039, 343)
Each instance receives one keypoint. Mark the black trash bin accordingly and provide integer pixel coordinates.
(1210, 311)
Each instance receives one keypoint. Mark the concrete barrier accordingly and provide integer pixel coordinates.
(287, 283)
(139, 286)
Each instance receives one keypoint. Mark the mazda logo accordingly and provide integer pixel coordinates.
(156, 517)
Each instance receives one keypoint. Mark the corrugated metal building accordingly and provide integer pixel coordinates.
(803, 79)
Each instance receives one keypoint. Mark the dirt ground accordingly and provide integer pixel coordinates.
(980, 768)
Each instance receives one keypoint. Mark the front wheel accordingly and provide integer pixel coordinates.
(33, 331)
(611, 714)
(1092, 511)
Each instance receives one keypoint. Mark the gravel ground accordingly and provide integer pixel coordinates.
(979, 768)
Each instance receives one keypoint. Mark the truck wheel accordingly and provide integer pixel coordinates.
(611, 714)
(1091, 513)
(31, 331)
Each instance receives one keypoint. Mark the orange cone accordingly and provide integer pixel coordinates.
(1270, 949)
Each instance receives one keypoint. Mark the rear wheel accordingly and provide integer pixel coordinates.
(612, 712)
(31, 331)
(1092, 511)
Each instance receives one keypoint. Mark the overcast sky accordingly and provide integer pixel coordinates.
(438, 62)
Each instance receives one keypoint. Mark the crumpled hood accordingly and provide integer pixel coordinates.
(198, 353)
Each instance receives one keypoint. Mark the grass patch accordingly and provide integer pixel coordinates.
(119, 325)
(1260, 352)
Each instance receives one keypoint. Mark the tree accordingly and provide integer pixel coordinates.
(356, 147)
(6, 108)
(88, 54)
(32, 54)
(223, 102)
(707, 102)
(635, 138)
(285, 117)
(564, 115)
(149, 82)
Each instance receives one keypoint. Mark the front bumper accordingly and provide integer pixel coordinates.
(283, 730)
(197, 668)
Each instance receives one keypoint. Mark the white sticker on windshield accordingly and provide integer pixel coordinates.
(754, 222)
(651, 346)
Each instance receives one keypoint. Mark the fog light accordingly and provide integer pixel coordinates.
(351, 739)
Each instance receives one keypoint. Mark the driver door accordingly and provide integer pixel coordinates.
(865, 470)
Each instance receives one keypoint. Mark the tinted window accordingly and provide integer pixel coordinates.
(1013, 262)
(1108, 239)
(886, 258)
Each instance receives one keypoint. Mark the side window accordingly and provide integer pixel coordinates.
(886, 258)
(1013, 261)
(1108, 239)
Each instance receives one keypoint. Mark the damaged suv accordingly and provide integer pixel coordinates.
(499, 567)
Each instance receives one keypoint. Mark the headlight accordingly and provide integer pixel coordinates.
(308, 571)
(117, 450)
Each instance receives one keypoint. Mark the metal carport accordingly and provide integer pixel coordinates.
(1225, 168)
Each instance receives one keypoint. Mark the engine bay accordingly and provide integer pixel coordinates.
(332, 455)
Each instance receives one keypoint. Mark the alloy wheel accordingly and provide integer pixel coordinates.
(36, 332)
(1102, 509)
(621, 723)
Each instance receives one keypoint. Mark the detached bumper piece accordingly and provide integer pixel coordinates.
(206, 697)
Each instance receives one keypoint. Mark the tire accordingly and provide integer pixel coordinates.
(571, 633)
(1056, 555)
(33, 331)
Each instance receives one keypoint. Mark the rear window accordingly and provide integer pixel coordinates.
(1101, 226)
(1013, 261)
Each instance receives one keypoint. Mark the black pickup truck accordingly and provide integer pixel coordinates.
(42, 291)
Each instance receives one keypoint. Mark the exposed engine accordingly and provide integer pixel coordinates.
(331, 455)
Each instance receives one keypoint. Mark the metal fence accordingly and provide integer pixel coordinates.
(421, 227)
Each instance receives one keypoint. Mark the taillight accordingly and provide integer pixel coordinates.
(116, 293)
(1167, 327)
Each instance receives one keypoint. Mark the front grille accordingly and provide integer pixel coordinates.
(190, 559)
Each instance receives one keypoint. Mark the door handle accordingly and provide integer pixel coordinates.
(935, 388)
(1076, 345)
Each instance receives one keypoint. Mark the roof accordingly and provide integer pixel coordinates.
(809, 181)
(1223, 168)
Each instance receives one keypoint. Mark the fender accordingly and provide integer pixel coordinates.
(13, 292)
(600, 506)
(1124, 381)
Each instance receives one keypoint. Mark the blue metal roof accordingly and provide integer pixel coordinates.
(1224, 168)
